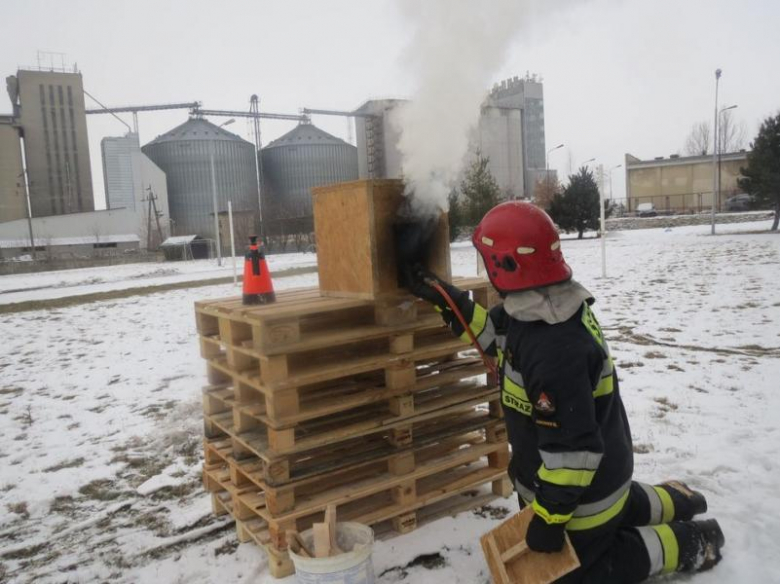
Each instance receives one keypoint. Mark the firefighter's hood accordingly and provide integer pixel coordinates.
(552, 304)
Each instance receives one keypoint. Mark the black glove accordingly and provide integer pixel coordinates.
(545, 537)
(417, 278)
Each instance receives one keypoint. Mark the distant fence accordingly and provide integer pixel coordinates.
(8, 267)
(688, 203)
(628, 222)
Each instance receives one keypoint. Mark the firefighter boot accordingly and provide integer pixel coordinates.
(699, 544)
(686, 501)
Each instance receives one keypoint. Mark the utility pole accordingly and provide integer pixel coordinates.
(216, 209)
(254, 107)
(28, 204)
(152, 212)
(232, 243)
(149, 223)
(715, 185)
(604, 223)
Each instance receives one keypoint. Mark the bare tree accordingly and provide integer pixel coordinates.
(732, 135)
(545, 190)
(699, 140)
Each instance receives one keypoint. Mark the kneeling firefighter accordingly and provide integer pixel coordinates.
(572, 457)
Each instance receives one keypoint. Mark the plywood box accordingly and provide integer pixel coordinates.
(356, 256)
(511, 561)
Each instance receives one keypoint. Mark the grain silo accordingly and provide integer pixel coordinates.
(184, 154)
(303, 158)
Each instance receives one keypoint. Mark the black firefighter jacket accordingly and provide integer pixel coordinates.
(572, 454)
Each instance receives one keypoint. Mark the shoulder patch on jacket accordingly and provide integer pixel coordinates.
(544, 405)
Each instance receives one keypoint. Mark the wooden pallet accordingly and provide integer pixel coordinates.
(439, 497)
(344, 465)
(355, 371)
(302, 320)
(346, 429)
(326, 444)
(371, 405)
(370, 494)
(323, 399)
(377, 449)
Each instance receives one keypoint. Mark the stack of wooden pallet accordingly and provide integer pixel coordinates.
(370, 405)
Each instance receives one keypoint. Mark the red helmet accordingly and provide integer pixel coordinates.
(521, 248)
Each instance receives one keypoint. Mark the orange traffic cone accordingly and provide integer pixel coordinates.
(258, 288)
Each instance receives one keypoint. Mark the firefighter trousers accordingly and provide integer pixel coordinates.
(640, 542)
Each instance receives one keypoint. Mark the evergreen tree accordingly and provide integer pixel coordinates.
(480, 190)
(577, 208)
(762, 175)
(455, 215)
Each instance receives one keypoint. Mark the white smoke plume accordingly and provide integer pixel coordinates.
(457, 47)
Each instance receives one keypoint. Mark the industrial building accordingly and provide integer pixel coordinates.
(134, 182)
(202, 162)
(510, 133)
(75, 235)
(293, 164)
(681, 184)
(117, 154)
(13, 201)
(48, 114)
(377, 139)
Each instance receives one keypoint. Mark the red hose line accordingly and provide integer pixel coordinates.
(487, 360)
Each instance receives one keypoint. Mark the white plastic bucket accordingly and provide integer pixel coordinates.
(351, 567)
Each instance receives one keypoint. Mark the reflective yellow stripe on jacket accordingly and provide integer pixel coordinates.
(585, 516)
(607, 383)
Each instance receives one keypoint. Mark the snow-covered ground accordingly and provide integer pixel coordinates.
(100, 415)
(83, 281)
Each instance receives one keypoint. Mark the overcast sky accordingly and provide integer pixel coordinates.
(619, 76)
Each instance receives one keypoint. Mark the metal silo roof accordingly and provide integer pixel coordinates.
(305, 134)
(197, 129)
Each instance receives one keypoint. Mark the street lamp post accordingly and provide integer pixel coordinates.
(547, 167)
(547, 158)
(718, 73)
(214, 195)
(602, 213)
(720, 153)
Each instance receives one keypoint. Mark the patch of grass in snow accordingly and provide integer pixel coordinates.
(24, 553)
(642, 448)
(73, 463)
(229, 547)
(179, 491)
(12, 391)
(64, 505)
(159, 411)
(154, 522)
(19, 508)
(630, 364)
(491, 512)
(665, 403)
(654, 355)
(673, 367)
(102, 490)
